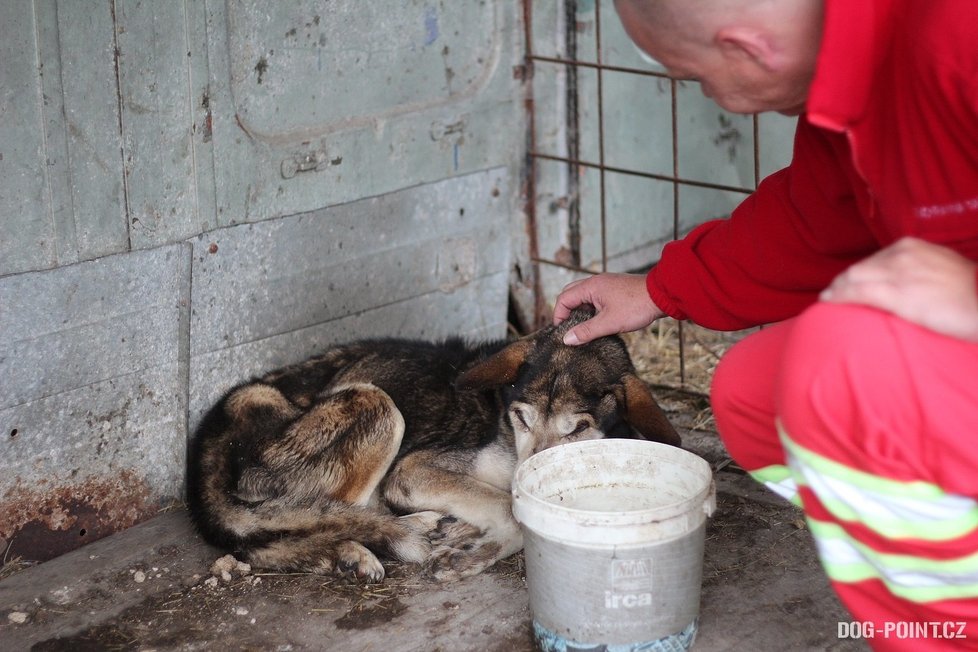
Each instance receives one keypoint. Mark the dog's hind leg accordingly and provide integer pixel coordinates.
(318, 478)
(340, 448)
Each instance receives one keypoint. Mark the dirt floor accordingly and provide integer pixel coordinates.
(156, 586)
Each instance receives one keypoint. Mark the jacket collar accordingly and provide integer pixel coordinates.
(855, 41)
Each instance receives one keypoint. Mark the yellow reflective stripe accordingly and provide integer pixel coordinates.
(891, 508)
(778, 478)
(912, 578)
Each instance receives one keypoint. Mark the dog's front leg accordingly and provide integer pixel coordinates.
(478, 529)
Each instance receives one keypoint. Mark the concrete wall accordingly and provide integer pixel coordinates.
(194, 191)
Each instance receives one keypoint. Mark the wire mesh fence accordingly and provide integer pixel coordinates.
(622, 158)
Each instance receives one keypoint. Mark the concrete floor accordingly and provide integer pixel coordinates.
(149, 588)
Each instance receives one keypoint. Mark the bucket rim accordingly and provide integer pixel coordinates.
(532, 510)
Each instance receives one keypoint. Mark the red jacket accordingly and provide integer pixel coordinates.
(888, 147)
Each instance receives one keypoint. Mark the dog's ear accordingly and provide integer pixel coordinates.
(501, 368)
(644, 414)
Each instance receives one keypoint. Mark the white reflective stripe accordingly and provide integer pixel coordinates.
(890, 515)
(837, 551)
(890, 508)
(914, 578)
(777, 478)
(786, 488)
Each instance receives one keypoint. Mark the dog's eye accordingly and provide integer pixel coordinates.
(520, 417)
(581, 426)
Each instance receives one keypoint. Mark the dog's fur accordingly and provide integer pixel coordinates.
(403, 449)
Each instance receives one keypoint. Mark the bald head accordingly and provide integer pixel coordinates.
(665, 9)
(681, 12)
(691, 16)
(750, 55)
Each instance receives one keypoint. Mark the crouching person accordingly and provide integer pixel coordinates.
(860, 402)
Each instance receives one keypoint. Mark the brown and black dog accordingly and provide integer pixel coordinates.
(403, 449)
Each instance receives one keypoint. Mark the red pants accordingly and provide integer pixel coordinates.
(871, 425)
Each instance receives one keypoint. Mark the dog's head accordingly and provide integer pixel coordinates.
(555, 394)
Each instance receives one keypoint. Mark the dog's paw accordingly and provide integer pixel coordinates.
(356, 562)
(453, 532)
(449, 563)
(441, 529)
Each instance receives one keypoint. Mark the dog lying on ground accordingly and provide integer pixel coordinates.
(403, 449)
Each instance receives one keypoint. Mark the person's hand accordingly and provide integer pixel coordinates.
(621, 301)
(921, 282)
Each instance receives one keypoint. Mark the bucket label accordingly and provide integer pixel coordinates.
(631, 575)
(631, 584)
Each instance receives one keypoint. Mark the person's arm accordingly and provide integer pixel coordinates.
(781, 247)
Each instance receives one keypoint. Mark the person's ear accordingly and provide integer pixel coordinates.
(748, 44)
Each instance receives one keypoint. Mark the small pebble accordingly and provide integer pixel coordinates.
(223, 565)
(227, 568)
(139, 577)
(18, 617)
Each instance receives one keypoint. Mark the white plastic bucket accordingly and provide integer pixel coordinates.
(613, 541)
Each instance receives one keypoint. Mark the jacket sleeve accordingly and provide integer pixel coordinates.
(778, 249)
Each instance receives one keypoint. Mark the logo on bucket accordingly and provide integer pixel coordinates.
(631, 583)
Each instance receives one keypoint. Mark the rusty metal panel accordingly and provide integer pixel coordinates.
(156, 49)
(93, 408)
(315, 103)
(95, 186)
(61, 183)
(429, 261)
(23, 192)
(131, 124)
